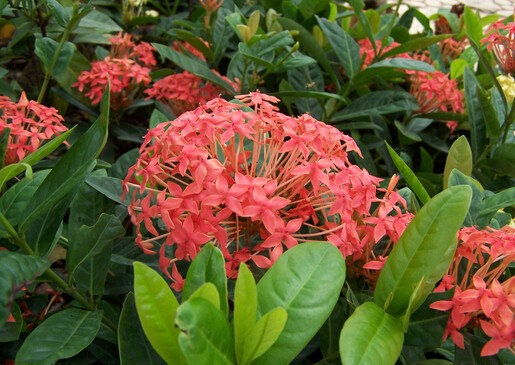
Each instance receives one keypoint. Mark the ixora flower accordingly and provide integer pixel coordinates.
(256, 182)
(30, 123)
(501, 39)
(127, 68)
(482, 296)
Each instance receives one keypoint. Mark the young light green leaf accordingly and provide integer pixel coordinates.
(17, 271)
(61, 336)
(205, 337)
(306, 281)
(409, 176)
(157, 307)
(245, 309)
(207, 267)
(459, 157)
(424, 250)
(133, 345)
(263, 334)
(208, 292)
(371, 336)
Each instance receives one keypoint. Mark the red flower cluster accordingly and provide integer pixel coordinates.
(368, 55)
(501, 39)
(184, 91)
(30, 123)
(256, 182)
(481, 298)
(127, 68)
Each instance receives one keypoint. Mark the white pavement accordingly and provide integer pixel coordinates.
(429, 7)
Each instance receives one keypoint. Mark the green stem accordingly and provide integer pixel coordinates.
(50, 274)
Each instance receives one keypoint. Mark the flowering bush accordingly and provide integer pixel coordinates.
(256, 181)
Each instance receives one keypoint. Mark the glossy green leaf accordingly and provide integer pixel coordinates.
(409, 176)
(380, 68)
(458, 178)
(4, 142)
(459, 157)
(472, 25)
(61, 336)
(263, 334)
(97, 22)
(133, 345)
(12, 170)
(45, 50)
(61, 14)
(492, 204)
(506, 154)
(345, 48)
(306, 281)
(424, 251)
(245, 309)
(476, 118)
(207, 267)
(17, 271)
(89, 254)
(205, 337)
(378, 102)
(359, 7)
(157, 307)
(208, 292)
(371, 336)
(457, 68)
(192, 65)
(492, 125)
(414, 45)
(109, 186)
(47, 148)
(10, 331)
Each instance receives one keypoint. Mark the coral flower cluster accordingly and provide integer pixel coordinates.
(127, 68)
(30, 124)
(256, 182)
(501, 39)
(482, 296)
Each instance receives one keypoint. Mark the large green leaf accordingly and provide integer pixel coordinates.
(345, 48)
(245, 309)
(378, 102)
(493, 203)
(371, 336)
(206, 337)
(17, 271)
(423, 253)
(409, 176)
(133, 345)
(306, 281)
(157, 307)
(458, 178)
(383, 66)
(415, 44)
(89, 254)
(10, 331)
(45, 50)
(476, 117)
(61, 336)
(207, 267)
(459, 157)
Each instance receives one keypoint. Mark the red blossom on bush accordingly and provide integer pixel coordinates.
(126, 68)
(501, 39)
(30, 123)
(256, 182)
(185, 91)
(481, 298)
(368, 55)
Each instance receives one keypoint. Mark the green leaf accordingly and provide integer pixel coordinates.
(371, 336)
(409, 176)
(492, 125)
(459, 157)
(206, 337)
(359, 6)
(345, 48)
(12, 170)
(222, 32)
(207, 291)
(476, 118)
(89, 254)
(111, 187)
(17, 271)
(47, 148)
(4, 142)
(377, 68)
(45, 50)
(414, 45)
(492, 204)
(61, 336)
(424, 250)
(133, 345)
(458, 67)
(10, 331)
(192, 65)
(306, 281)
(61, 14)
(472, 25)
(378, 102)
(207, 267)
(506, 153)
(157, 307)
(245, 309)
(97, 22)
(456, 177)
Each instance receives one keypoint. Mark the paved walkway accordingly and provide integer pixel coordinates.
(429, 7)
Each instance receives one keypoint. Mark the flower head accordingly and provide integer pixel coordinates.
(501, 39)
(30, 123)
(257, 182)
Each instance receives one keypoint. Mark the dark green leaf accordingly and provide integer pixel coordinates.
(61, 14)
(377, 68)
(10, 331)
(207, 267)
(4, 141)
(489, 115)
(456, 177)
(492, 204)
(61, 336)
(46, 49)
(476, 118)
(306, 281)
(206, 338)
(359, 6)
(371, 336)
(17, 271)
(459, 157)
(471, 354)
(97, 22)
(134, 346)
(424, 251)
(414, 45)
(111, 187)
